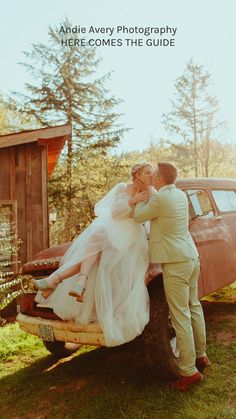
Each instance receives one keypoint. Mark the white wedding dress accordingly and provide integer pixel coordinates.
(116, 295)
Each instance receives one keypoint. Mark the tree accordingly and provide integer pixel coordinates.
(4, 118)
(65, 90)
(194, 119)
(11, 120)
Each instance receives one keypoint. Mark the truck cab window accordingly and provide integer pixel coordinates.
(225, 200)
(199, 203)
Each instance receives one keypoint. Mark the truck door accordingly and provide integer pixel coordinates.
(225, 201)
(212, 238)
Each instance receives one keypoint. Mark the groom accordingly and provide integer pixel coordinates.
(171, 245)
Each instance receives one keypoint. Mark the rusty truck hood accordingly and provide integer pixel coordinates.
(46, 260)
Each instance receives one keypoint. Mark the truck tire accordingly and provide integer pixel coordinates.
(61, 349)
(158, 334)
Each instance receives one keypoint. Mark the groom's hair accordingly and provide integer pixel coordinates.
(168, 172)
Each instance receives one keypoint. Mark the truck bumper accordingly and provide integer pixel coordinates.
(65, 331)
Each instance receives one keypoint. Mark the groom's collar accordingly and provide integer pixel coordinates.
(172, 185)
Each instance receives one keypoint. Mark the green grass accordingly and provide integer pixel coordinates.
(113, 383)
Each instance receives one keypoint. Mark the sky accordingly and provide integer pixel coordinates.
(142, 76)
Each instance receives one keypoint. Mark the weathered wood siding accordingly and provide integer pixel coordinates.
(23, 177)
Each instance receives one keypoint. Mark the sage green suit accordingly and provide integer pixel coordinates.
(171, 245)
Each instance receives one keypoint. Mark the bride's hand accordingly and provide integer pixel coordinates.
(138, 197)
(140, 185)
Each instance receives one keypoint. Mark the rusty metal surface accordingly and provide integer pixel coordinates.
(46, 260)
(41, 265)
(66, 331)
(214, 245)
(215, 237)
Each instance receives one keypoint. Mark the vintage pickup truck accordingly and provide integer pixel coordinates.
(212, 223)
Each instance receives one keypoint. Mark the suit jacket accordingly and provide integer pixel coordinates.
(170, 240)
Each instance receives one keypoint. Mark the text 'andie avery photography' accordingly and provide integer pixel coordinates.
(118, 36)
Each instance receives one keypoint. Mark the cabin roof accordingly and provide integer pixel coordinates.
(54, 137)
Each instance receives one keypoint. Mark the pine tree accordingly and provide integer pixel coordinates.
(194, 119)
(65, 89)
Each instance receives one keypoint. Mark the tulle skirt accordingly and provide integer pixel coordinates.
(116, 295)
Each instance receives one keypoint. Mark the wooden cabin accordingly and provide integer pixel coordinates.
(27, 160)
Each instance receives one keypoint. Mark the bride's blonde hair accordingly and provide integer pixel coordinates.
(138, 168)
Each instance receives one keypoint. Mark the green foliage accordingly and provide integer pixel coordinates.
(4, 116)
(92, 177)
(12, 120)
(8, 249)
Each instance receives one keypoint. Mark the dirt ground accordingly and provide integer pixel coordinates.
(217, 315)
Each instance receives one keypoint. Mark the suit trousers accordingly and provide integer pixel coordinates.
(181, 290)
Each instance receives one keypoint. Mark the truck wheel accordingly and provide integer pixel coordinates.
(61, 349)
(160, 350)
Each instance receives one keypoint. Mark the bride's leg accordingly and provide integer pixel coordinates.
(86, 265)
(83, 268)
(95, 244)
(55, 278)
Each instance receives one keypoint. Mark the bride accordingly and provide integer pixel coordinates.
(106, 267)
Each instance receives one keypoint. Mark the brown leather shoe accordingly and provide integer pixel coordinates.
(202, 363)
(185, 383)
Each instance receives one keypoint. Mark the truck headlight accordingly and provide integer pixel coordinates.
(27, 285)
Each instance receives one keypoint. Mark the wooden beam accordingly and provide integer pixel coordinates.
(12, 173)
(34, 135)
(28, 200)
(45, 215)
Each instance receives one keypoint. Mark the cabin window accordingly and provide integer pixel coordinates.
(225, 200)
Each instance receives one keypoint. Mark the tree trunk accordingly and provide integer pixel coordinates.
(194, 128)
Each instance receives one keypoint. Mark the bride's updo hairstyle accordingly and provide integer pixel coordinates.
(138, 168)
